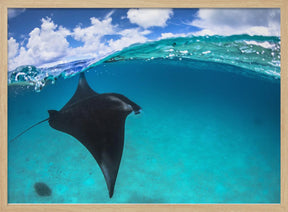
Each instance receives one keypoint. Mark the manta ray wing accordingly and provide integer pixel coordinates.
(83, 92)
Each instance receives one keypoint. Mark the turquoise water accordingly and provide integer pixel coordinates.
(209, 132)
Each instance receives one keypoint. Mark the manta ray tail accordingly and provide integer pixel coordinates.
(28, 129)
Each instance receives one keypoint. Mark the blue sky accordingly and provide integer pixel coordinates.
(42, 37)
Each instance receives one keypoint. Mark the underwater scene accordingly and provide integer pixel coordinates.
(202, 124)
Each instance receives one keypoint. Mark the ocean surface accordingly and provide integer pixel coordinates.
(209, 130)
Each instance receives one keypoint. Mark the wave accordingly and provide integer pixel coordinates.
(258, 54)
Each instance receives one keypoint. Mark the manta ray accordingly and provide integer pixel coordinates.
(98, 122)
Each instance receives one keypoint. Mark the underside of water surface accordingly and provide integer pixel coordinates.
(208, 133)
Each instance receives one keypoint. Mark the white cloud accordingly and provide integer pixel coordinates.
(13, 48)
(172, 35)
(129, 36)
(149, 17)
(12, 13)
(91, 37)
(238, 21)
(95, 47)
(109, 14)
(91, 34)
(44, 45)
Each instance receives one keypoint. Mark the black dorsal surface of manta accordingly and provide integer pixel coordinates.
(98, 122)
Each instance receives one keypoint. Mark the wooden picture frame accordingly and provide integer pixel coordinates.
(282, 4)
